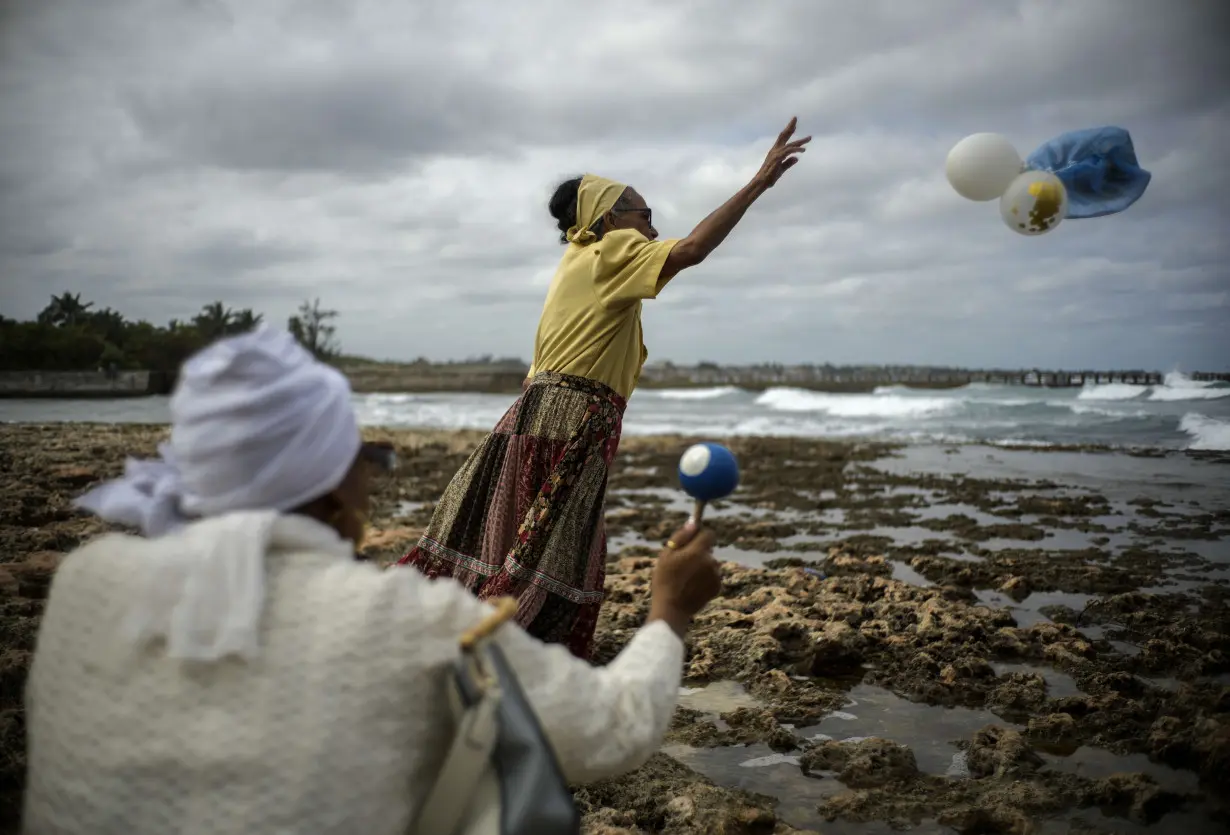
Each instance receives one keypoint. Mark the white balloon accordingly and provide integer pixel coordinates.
(1034, 204)
(981, 166)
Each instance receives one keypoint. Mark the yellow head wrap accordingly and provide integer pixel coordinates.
(595, 197)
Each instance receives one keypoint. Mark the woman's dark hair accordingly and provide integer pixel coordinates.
(563, 208)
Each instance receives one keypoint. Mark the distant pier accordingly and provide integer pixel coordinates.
(832, 378)
(1210, 377)
(1069, 379)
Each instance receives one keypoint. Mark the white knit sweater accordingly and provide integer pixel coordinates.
(338, 727)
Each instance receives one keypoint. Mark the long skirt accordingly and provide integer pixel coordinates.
(523, 517)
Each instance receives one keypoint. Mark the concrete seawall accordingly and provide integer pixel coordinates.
(73, 384)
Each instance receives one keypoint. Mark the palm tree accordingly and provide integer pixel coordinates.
(313, 329)
(64, 309)
(214, 320)
(245, 320)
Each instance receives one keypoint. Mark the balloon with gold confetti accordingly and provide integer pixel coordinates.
(1080, 174)
(1034, 203)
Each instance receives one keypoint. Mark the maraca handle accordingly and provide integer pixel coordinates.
(698, 512)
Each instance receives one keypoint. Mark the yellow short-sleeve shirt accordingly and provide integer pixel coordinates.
(591, 321)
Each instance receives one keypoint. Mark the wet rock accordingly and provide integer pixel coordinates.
(838, 647)
(74, 477)
(867, 763)
(1136, 796)
(34, 574)
(999, 752)
(608, 822)
(1213, 748)
(750, 725)
(1120, 682)
(681, 809)
(1069, 654)
(1007, 643)
(14, 665)
(691, 727)
(776, 681)
(841, 563)
(1054, 728)
(967, 668)
(996, 820)
(665, 796)
(1018, 693)
(8, 583)
(1017, 588)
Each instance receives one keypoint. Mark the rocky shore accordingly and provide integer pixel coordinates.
(892, 651)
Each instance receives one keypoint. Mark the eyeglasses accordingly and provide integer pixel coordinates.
(379, 453)
(647, 213)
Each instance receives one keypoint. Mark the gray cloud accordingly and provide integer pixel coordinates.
(396, 159)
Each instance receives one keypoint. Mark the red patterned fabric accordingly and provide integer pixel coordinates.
(523, 517)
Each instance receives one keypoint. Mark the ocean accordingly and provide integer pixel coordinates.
(1180, 414)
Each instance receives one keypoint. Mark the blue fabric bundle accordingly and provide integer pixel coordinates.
(1097, 166)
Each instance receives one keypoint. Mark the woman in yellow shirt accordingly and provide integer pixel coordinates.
(524, 515)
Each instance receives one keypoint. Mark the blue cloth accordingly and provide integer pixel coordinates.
(1098, 167)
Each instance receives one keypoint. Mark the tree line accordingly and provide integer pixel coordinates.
(73, 335)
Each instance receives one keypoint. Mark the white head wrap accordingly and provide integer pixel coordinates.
(258, 427)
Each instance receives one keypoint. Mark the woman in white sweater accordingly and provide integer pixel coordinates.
(235, 669)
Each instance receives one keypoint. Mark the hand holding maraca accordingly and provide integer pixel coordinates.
(687, 576)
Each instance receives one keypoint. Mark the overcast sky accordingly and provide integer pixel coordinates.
(395, 159)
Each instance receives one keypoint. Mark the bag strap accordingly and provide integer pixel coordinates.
(468, 757)
(470, 753)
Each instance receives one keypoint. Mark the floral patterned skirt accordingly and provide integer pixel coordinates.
(523, 517)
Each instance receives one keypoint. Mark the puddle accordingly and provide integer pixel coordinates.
(943, 511)
(1168, 684)
(929, 730)
(757, 768)
(914, 535)
(744, 557)
(1060, 539)
(906, 574)
(718, 697)
(1098, 763)
(1196, 821)
(665, 498)
(1173, 479)
(1026, 611)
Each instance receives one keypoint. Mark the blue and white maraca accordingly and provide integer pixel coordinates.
(708, 472)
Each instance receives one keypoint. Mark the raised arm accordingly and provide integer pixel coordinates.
(711, 231)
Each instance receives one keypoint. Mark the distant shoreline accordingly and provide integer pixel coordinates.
(368, 377)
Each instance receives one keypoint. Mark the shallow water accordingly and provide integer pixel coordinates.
(906, 574)
(718, 697)
(931, 732)
(1025, 612)
(1176, 478)
(798, 795)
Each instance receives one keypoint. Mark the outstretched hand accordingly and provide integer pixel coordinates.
(782, 156)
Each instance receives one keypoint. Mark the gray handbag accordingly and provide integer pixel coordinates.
(500, 776)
